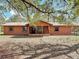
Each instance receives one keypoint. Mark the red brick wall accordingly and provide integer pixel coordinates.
(63, 30)
(16, 30)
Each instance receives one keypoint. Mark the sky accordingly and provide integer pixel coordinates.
(57, 5)
(42, 2)
(8, 14)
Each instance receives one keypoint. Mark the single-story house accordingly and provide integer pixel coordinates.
(39, 27)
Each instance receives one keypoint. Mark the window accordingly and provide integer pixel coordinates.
(10, 29)
(24, 29)
(56, 28)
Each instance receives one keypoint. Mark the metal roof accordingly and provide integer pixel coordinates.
(15, 24)
(58, 24)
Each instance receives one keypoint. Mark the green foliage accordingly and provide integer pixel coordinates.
(19, 5)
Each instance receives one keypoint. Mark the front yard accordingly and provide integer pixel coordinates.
(47, 47)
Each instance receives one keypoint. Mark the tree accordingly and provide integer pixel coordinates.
(34, 7)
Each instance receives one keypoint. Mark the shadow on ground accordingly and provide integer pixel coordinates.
(35, 51)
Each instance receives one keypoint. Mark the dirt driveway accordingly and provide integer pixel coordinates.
(72, 41)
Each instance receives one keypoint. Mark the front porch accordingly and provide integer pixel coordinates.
(38, 30)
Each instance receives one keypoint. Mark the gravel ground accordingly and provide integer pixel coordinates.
(64, 40)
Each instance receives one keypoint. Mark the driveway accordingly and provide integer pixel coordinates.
(56, 41)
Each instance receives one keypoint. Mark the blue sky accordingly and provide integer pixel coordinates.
(59, 4)
(7, 14)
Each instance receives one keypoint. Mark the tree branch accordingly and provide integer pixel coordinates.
(24, 1)
(13, 7)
